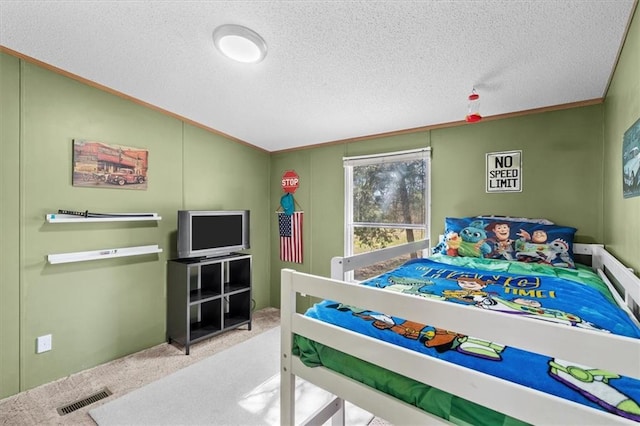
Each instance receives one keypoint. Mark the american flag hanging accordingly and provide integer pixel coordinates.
(290, 237)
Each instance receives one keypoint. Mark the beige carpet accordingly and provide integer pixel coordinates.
(239, 386)
(38, 406)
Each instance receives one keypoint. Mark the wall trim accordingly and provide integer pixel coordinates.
(559, 107)
(336, 142)
(122, 95)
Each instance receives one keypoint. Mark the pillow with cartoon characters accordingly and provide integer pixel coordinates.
(493, 238)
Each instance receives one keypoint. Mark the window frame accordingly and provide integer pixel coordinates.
(350, 162)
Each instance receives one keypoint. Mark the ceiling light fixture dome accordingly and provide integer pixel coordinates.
(240, 43)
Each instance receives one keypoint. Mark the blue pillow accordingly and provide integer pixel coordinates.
(494, 238)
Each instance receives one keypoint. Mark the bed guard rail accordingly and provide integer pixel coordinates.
(340, 265)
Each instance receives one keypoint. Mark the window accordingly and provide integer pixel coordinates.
(387, 204)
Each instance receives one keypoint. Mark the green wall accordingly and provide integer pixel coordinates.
(9, 225)
(562, 179)
(622, 110)
(101, 310)
(561, 169)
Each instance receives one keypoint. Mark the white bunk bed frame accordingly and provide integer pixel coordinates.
(601, 350)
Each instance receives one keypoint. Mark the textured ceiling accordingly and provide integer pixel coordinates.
(334, 69)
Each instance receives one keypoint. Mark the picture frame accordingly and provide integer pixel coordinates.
(102, 165)
(631, 161)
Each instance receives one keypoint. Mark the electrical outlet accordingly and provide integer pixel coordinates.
(43, 344)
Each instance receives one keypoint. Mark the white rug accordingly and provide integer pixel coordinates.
(238, 386)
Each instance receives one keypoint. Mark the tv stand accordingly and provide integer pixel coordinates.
(217, 256)
(207, 296)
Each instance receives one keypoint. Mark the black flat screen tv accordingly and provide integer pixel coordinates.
(209, 233)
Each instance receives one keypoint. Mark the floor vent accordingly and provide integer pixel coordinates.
(70, 408)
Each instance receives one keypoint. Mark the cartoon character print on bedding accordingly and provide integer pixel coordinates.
(431, 337)
(509, 240)
(595, 385)
(473, 241)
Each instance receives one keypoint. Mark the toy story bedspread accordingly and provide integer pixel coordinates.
(574, 297)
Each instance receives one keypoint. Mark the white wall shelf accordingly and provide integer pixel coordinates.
(82, 256)
(68, 218)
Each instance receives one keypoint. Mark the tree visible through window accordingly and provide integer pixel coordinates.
(387, 199)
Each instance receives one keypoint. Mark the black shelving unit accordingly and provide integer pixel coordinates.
(206, 297)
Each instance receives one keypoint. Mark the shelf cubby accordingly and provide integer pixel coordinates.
(207, 296)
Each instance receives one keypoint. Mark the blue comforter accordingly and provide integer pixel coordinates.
(576, 298)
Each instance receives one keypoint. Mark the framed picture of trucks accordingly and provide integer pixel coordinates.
(631, 161)
(98, 164)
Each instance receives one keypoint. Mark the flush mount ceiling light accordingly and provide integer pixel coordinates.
(240, 43)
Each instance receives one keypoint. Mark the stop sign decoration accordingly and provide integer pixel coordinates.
(290, 181)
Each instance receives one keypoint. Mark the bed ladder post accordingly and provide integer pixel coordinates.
(287, 379)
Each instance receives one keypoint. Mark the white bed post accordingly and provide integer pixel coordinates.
(287, 379)
(337, 268)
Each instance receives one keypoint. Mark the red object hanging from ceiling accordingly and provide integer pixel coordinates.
(473, 113)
